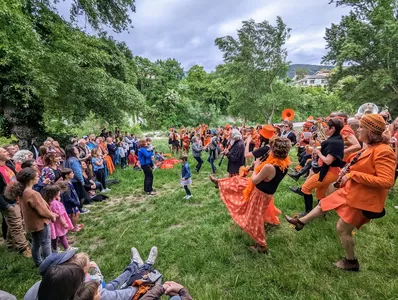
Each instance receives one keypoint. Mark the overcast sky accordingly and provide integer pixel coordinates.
(186, 29)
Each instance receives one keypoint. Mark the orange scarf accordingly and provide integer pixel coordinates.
(282, 163)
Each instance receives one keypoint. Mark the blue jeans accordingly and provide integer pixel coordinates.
(98, 185)
(211, 161)
(200, 163)
(41, 244)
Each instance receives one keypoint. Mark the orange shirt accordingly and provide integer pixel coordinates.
(371, 178)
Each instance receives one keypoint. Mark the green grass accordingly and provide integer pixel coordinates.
(202, 248)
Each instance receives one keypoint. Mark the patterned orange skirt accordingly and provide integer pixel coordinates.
(250, 215)
(337, 201)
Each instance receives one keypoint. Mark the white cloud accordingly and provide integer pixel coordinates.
(186, 29)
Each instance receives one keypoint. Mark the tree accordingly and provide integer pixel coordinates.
(363, 46)
(301, 72)
(111, 13)
(253, 62)
(51, 70)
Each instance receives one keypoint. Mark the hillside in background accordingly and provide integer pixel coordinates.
(312, 69)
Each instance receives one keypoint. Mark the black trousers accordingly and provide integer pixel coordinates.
(200, 162)
(123, 162)
(81, 192)
(187, 190)
(100, 175)
(148, 179)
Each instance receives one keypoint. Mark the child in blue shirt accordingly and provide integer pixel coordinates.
(186, 176)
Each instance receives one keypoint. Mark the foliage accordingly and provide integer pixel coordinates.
(55, 71)
(5, 141)
(110, 13)
(253, 62)
(301, 72)
(363, 46)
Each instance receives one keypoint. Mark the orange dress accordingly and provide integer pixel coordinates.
(250, 215)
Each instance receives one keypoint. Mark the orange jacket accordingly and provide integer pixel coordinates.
(371, 178)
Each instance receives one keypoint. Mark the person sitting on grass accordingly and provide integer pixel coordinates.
(70, 199)
(54, 287)
(133, 160)
(186, 176)
(159, 159)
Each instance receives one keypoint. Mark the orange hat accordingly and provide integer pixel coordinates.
(267, 131)
(227, 126)
(374, 123)
(310, 119)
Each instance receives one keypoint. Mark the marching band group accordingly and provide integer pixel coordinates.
(349, 163)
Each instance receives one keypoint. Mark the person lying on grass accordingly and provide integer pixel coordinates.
(56, 285)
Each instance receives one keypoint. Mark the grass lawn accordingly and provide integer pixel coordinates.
(203, 249)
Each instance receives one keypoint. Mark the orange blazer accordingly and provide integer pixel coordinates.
(371, 178)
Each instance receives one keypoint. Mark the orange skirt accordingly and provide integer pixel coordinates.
(250, 215)
(337, 201)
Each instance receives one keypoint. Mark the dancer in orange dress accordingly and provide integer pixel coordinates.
(250, 201)
(364, 185)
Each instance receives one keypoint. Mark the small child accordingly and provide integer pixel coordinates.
(70, 199)
(158, 159)
(91, 270)
(150, 147)
(186, 176)
(62, 224)
(122, 154)
(133, 160)
(88, 291)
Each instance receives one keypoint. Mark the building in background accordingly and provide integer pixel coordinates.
(320, 78)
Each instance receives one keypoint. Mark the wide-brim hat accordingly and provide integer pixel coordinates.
(267, 131)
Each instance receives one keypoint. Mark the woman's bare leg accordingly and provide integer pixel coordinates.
(345, 232)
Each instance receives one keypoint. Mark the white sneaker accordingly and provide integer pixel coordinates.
(71, 248)
(188, 197)
(185, 197)
(152, 256)
(396, 206)
(136, 257)
(103, 191)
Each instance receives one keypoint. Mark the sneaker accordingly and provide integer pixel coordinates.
(27, 253)
(152, 256)
(84, 211)
(135, 257)
(71, 248)
(188, 197)
(107, 190)
(396, 206)
(185, 197)
(56, 250)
